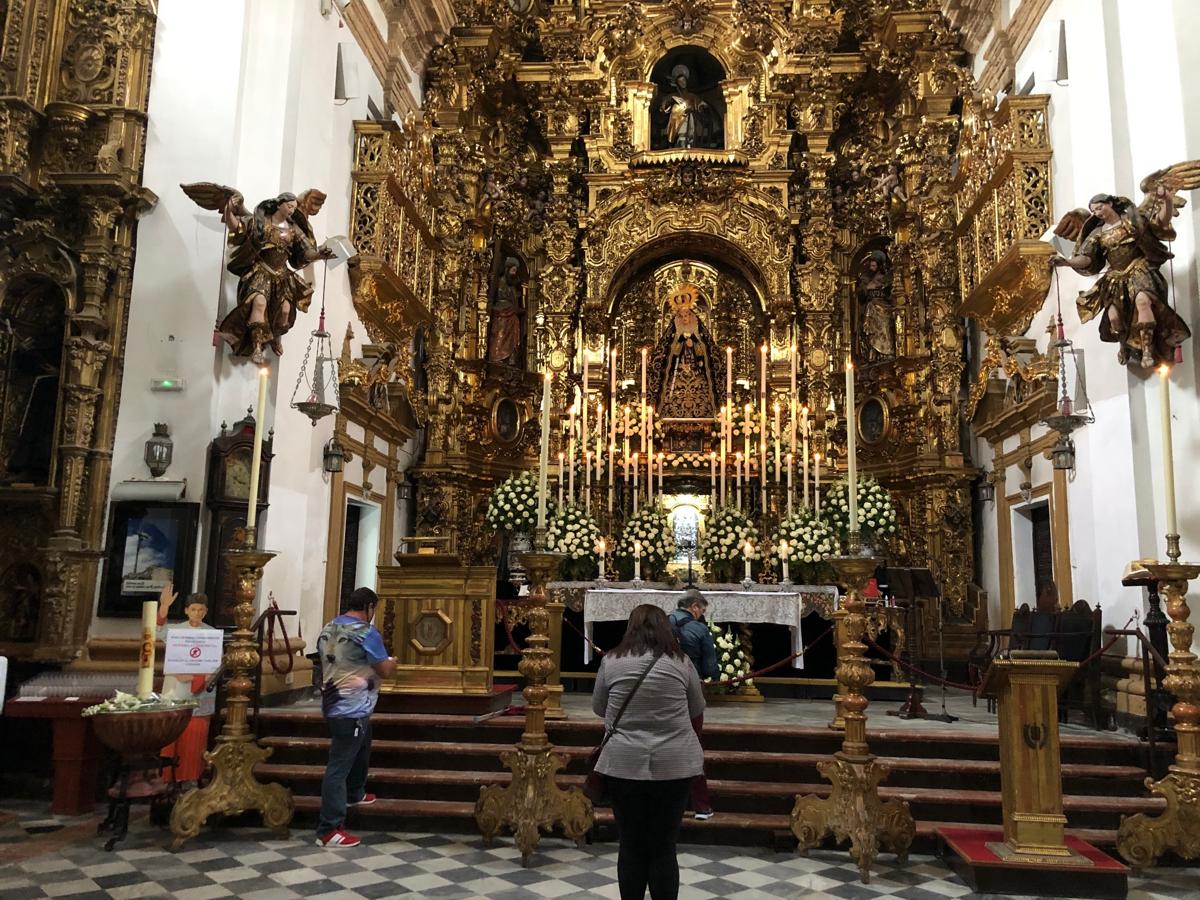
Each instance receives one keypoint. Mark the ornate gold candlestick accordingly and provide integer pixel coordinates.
(1142, 839)
(233, 788)
(532, 802)
(853, 809)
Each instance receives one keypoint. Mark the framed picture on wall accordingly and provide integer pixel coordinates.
(150, 544)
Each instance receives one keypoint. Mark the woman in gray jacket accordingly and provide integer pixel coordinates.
(653, 755)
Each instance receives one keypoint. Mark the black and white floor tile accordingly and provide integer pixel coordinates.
(255, 865)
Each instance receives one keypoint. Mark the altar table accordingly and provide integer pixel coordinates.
(770, 604)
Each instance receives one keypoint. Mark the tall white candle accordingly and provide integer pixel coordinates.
(783, 558)
(544, 451)
(636, 489)
(762, 423)
(571, 454)
(612, 474)
(560, 479)
(778, 432)
(747, 553)
(625, 451)
(804, 436)
(851, 446)
(637, 560)
(599, 441)
(662, 460)
(587, 482)
(648, 430)
(643, 420)
(1164, 372)
(792, 404)
(260, 413)
(601, 550)
(791, 461)
(612, 390)
(746, 437)
(729, 377)
(585, 435)
(145, 676)
(712, 479)
(817, 483)
(724, 454)
(738, 461)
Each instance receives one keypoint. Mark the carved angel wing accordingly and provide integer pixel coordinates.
(308, 204)
(220, 197)
(1071, 225)
(1184, 176)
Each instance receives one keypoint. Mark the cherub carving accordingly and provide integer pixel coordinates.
(1126, 242)
(269, 248)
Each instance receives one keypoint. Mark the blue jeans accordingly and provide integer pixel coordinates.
(346, 773)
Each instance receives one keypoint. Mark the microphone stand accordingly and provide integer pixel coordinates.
(943, 716)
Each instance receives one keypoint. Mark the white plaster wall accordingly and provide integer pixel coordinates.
(1130, 107)
(241, 94)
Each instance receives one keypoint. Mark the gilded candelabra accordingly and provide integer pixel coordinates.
(233, 788)
(853, 810)
(533, 802)
(1142, 839)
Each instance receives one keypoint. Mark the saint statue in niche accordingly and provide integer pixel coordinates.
(506, 323)
(1132, 292)
(31, 332)
(876, 337)
(269, 248)
(686, 369)
(689, 110)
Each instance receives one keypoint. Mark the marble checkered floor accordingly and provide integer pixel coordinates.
(61, 858)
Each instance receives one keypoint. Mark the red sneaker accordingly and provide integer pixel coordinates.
(337, 839)
(367, 800)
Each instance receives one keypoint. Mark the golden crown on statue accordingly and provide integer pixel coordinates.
(683, 297)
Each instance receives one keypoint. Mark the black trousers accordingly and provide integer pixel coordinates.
(648, 815)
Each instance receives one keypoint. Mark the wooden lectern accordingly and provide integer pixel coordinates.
(437, 618)
(1027, 686)
(1033, 854)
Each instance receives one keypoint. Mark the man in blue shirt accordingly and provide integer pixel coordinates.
(353, 660)
(697, 642)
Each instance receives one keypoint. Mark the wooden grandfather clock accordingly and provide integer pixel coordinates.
(226, 497)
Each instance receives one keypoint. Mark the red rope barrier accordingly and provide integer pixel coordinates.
(740, 678)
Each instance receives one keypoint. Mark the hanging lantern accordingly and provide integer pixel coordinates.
(987, 488)
(316, 392)
(1063, 454)
(334, 456)
(159, 450)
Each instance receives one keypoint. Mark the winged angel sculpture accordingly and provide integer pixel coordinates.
(268, 248)
(1129, 241)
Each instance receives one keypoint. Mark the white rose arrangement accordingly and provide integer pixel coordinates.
(721, 545)
(513, 504)
(811, 541)
(652, 531)
(573, 533)
(876, 514)
(731, 658)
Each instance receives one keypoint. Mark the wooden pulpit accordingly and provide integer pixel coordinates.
(1026, 686)
(437, 618)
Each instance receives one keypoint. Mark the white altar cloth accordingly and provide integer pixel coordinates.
(763, 604)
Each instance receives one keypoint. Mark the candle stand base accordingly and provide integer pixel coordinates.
(853, 810)
(234, 789)
(533, 802)
(1142, 839)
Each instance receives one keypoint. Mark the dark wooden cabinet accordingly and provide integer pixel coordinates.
(226, 497)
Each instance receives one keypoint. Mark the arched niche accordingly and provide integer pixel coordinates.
(32, 327)
(688, 108)
(507, 335)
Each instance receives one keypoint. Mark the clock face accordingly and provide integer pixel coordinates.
(872, 420)
(237, 476)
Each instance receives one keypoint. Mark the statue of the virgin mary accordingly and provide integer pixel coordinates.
(686, 369)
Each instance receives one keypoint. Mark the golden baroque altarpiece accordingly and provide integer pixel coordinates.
(813, 136)
(74, 79)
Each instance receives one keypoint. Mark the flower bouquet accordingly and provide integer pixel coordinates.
(573, 533)
(811, 541)
(731, 659)
(721, 545)
(652, 532)
(876, 515)
(513, 504)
